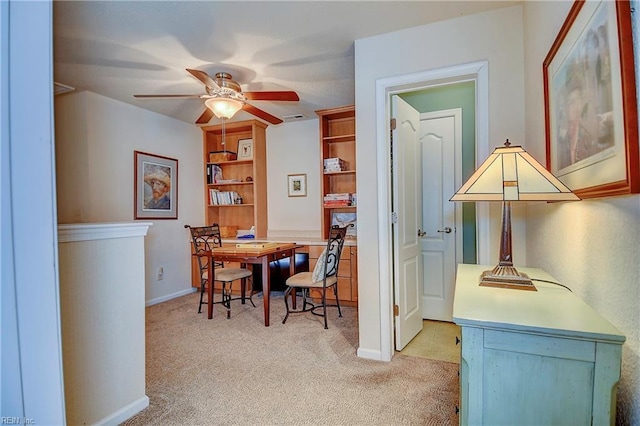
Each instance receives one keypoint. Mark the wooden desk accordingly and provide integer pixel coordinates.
(261, 256)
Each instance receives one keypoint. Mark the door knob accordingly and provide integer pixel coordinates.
(421, 233)
(447, 230)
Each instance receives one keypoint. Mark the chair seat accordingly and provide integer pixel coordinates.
(231, 274)
(304, 279)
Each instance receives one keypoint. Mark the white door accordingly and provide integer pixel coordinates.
(407, 205)
(440, 138)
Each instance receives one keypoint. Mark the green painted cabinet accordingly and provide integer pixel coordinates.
(533, 358)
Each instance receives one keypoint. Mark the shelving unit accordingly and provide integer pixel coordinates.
(337, 140)
(253, 209)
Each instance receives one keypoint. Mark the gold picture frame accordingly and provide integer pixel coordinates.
(297, 185)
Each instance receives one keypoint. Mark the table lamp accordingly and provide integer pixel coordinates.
(511, 174)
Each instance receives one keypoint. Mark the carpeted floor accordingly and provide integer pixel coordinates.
(238, 372)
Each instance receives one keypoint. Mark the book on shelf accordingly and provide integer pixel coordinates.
(343, 199)
(333, 161)
(214, 173)
(228, 181)
(334, 165)
(338, 196)
(222, 198)
(337, 204)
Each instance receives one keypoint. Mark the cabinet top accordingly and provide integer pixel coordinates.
(552, 310)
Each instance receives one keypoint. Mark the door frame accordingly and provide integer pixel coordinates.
(385, 88)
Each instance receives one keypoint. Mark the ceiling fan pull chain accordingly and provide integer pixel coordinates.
(224, 136)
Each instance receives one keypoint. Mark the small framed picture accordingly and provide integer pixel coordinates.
(297, 185)
(245, 149)
(155, 187)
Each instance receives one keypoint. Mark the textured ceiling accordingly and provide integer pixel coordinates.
(121, 48)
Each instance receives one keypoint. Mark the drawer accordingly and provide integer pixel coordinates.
(344, 291)
(344, 269)
(302, 249)
(314, 251)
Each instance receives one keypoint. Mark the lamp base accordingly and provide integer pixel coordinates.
(506, 277)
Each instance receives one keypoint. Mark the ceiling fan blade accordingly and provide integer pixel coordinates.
(167, 96)
(261, 114)
(205, 117)
(204, 77)
(272, 96)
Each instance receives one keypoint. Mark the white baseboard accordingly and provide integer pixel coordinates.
(170, 296)
(369, 354)
(125, 412)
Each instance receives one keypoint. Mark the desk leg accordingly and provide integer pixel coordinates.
(266, 289)
(210, 292)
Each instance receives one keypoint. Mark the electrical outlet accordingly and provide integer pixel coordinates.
(160, 273)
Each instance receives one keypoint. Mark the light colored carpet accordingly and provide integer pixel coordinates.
(437, 340)
(238, 372)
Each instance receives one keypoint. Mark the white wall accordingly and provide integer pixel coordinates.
(95, 140)
(103, 321)
(293, 148)
(495, 37)
(591, 246)
(31, 367)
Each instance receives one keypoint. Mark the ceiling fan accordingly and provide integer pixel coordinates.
(224, 97)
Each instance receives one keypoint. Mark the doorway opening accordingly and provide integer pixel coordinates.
(385, 89)
(436, 341)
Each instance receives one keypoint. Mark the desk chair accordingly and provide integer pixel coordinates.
(205, 239)
(324, 276)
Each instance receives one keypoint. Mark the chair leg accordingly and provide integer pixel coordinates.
(244, 292)
(201, 297)
(226, 298)
(305, 293)
(335, 292)
(287, 292)
(324, 306)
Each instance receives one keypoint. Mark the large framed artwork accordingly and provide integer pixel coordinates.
(590, 101)
(155, 193)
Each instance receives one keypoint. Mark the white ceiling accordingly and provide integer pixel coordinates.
(121, 48)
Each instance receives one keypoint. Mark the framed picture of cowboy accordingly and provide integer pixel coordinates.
(156, 186)
(590, 101)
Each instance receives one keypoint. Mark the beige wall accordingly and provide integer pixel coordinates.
(95, 140)
(293, 148)
(102, 316)
(495, 37)
(591, 246)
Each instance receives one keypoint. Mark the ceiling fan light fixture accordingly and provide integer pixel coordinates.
(224, 107)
